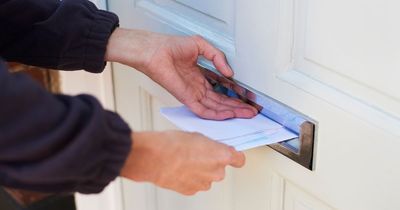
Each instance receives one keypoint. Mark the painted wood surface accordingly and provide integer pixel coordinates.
(100, 86)
(335, 61)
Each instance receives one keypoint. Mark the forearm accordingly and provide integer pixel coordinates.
(57, 143)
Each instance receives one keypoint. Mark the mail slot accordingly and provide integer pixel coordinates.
(299, 149)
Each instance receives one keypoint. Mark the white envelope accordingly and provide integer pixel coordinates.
(242, 134)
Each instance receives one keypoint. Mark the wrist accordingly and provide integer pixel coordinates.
(137, 163)
(131, 47)
(124, 47)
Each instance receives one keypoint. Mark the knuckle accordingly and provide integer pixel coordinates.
(188, 191)
(240, 159)
(197, 38)
(198, 134)
(219, 177)
(221, 54)
(207, 187)
(226, 157)
(243, 158)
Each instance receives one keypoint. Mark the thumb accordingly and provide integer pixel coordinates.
(213, 54)
(238, 159)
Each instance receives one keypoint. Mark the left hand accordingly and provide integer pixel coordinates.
(180, 161)
(171, 61)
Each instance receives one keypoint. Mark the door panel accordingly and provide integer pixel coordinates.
(354, 53)
(334, 61)
(218, 11)
(295, 199)
(360, 44)
(320, 52)
(191, 17)
(221, 10)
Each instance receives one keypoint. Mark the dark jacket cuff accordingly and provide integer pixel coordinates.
(115, 152)
(67, 35)
(103, 25)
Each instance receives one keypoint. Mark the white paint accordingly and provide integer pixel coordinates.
(296, 199)
(102, 4)
(100, 86)
(324, 50)
(219, 9)
(361, 43)
(187, 27)
(335, 61)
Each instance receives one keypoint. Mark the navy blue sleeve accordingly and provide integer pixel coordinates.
(67, 35)
(56, 143)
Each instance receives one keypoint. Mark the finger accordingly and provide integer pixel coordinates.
(213, 54)
(207, 113)
(240, 109)
(197, 184)
(238, 159)
(239, 112)
(230, 101)
(223, 99)
(212, 104)
(219, 175)
(239, 101)
(188, 192)
(205, 186)
(233, 102)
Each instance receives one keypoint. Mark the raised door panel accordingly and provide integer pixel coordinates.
(336, 58)
(213, 20)
(216, 15)
(345, 52)
(361, 44)
(296, 199)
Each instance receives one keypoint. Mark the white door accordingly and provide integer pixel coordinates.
(336, 61)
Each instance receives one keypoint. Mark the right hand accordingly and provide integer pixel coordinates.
(180, 161)
(171, 61)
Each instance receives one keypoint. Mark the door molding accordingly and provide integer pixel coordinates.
(101, 87)
(296, 67)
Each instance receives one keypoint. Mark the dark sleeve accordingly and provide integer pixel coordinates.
(57, 143)
(67, 34)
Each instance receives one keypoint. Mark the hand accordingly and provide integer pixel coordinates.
(171, 61)
(180, 161)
